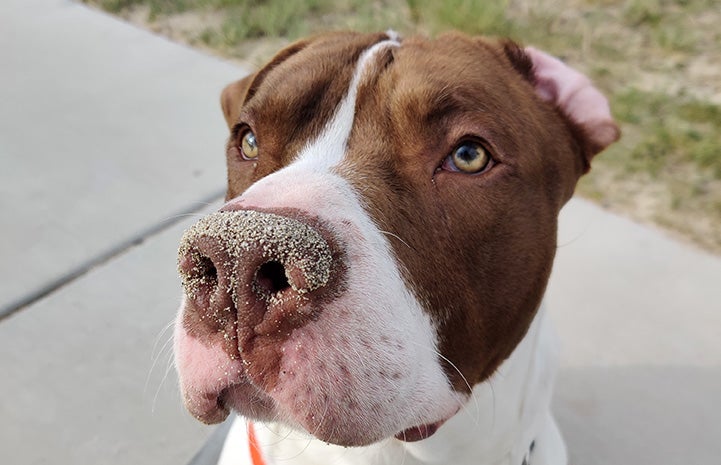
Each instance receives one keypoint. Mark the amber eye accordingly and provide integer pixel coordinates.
(469, 157)
(249, 146)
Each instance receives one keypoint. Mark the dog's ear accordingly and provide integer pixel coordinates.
(236, 94)
(232, 98)
(572, 93)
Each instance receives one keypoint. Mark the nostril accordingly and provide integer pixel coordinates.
(199, 275)
(271, 278)
(206, 271)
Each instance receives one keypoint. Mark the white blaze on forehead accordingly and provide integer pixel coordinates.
(328, 148)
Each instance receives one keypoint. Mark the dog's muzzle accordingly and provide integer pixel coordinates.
(248, 273)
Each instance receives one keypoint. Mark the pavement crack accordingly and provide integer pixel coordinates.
(106, 256)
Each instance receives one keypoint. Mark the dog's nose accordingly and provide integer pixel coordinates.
(255, 272)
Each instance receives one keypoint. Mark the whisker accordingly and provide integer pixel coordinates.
(405, 454)
(279, 438)
(162, 381)
(477, 408)
(493, 402)
(325, 408)
(388, 233)
(578, 235)
(155, 357)
(182, 216)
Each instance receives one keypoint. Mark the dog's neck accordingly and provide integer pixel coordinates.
(506, 421)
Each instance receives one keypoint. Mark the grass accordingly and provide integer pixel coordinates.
(471, 16)
(677, 131)
(657, 60)
(250, 19)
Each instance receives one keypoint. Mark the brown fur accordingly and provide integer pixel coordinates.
(312, 85)
(476, 249)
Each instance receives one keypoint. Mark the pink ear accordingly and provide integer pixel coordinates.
(575, 95)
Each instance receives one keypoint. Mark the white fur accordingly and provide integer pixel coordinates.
(329, 148)
(495, 427)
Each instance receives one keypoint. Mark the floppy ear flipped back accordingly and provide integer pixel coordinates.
(232, 98)
(576, 96)
(572, 93)
(235, 95)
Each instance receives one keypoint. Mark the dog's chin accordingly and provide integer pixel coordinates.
(253, 404)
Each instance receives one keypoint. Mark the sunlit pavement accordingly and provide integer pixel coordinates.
(111, 141)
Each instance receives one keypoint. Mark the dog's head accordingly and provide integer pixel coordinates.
(388, 234)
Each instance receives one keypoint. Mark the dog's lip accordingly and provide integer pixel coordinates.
(418, 433)
(209, 408)
(215, 406)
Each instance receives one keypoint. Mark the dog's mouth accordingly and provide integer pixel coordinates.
(418, 433)
(219, 406)
(226, 403)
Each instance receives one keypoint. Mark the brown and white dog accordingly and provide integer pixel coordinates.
(375, 278)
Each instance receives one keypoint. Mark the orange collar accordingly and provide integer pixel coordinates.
(255, 457)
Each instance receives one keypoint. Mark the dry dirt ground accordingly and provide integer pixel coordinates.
(652, 53)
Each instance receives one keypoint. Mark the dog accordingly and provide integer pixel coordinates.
(371, 291)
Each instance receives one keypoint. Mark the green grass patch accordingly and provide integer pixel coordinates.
(156, 7)
(246, 20)
(254, 19)
(471, 16)
(671, 131)
(666, 24)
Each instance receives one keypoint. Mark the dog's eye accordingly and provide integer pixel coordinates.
(469, 157)
(248, 145)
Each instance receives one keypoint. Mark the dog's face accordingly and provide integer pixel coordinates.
(388, 234)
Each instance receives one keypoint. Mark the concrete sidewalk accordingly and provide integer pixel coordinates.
(109, 135)
(639, 316)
